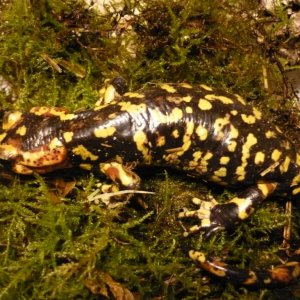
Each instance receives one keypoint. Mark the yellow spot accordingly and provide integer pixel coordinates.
(84, 153)
(198, 256)
(102, 132)
(160, 141)
(204, 104)
(223, 99)
(186, 85)
(296, 191)
(256, 113)
(65, 117)
(232, 146)
(197, 155)
(241, 172)
(202, 168)
(259, 158)
(140, 138)
(55, 143)
(270, 134)
(205, 87)
(194, 163)
(132, 108)
(188, 110)
(251, 140)
(175, 133)
(176, 114)
(208, 156)
(276, 155)
(52, 111)
(219, 125)
(168, 88)
(39, 110)
(177, 99)
(285, 165)
(234, 112)
(233, 133)
(187, 98)
(2, 136)
(221, 122)
(222, 172)
(224, 160)
(244, 206)
(86, 167)
(174, 99)
(158, 117)
(202, 133)
(296, 180)
(11, 119)
(266, 188)
(21, 130)
(215, 178)
(249, 119)
(187, 137)
(112, 116)
(298, 159)
(134, 95)
(240, 99)
(68, 136)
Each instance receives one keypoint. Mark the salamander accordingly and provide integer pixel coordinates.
(208, 133)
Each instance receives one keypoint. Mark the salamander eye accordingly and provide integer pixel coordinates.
(120, 84)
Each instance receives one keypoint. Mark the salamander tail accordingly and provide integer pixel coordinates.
(280, 275)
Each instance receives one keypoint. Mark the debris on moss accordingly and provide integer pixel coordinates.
(54, 243)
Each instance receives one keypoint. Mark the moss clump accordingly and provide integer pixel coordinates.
(54, 243)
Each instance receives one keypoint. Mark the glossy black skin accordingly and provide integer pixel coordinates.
(42, 129)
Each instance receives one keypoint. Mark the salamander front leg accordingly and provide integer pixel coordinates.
(214, 216)
(111, 90)
(125, 182)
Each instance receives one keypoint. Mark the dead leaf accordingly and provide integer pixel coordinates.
(105, 285)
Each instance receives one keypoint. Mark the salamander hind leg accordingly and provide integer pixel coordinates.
(214, 216)
(125, 182)
(121, 175)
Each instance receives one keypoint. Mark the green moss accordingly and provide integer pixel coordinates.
(57, 246)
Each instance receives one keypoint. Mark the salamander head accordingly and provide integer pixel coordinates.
(8, 121)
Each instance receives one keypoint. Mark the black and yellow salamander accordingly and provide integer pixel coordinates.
(206, 132)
